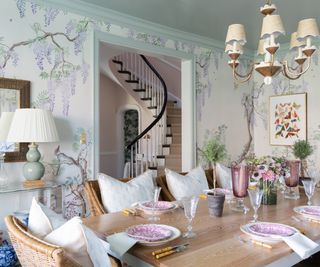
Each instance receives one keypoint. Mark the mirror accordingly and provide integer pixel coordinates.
(14, 94)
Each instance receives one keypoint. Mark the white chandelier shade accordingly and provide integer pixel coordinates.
(272, 28)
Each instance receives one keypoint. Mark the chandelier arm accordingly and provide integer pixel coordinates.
(291, 75)
(235, 73)
(245, 78)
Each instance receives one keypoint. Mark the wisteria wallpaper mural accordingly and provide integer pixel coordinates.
(53, 49)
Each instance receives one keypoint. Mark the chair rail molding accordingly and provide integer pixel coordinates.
(188, 97)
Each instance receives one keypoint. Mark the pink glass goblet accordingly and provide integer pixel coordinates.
(240, 181)
(292, 180)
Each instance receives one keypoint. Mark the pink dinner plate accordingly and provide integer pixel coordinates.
(268, 232)
(149, 232)
(160, 205)
(311, 212)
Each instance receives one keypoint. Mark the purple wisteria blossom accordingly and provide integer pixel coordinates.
(79, 42)
(70, 27)
(50, 15)
(42, 51)
(34, 8)
(84, 71)
(21, 5)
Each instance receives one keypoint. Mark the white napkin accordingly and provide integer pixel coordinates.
(301, 244)
(120, 243)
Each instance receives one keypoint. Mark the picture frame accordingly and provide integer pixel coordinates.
(287, 119)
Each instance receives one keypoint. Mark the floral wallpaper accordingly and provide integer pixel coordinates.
(130, 129)
(53, 49)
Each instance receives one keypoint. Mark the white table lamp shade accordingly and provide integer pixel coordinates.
(229, 48)
(5, 123)
(272, 24)
(33, 125)
(307, 28)
(236, 33)
(295, 43)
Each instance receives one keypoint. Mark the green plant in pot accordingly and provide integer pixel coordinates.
(302, 150)
(214, 151)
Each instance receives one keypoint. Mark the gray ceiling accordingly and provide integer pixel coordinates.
(211, 18)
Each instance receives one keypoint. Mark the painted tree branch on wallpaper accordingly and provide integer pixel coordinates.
(48, 49)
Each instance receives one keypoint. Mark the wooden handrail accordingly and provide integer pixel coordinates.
(163, 108)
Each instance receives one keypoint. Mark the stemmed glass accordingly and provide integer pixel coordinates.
(255, 196)
(156, 194)
(190, 207)
(292, 180)
(240, 181)
(309, 186)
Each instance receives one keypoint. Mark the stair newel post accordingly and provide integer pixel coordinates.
(125, 61)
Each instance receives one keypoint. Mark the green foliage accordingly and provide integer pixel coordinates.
(302, 149)
(214, 149)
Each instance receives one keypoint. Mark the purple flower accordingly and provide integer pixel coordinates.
(21, 5)
(50, 15)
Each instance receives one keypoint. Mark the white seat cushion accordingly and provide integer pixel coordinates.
(191, 184)
(71, 238)
(43, 220)
(223, 176)
(117, 195)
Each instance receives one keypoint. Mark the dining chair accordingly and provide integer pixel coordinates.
(93, 193)
(32, 251)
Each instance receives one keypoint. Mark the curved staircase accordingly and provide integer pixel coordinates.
(159, 145)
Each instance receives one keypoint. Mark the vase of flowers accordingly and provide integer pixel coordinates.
(267, 173)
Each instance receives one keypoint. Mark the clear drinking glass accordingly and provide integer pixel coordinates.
(255, 196)
(190, 207)
(240, 181)
(309, 186)
(156, 194)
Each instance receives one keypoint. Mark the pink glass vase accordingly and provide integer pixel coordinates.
(292, 181)
(240, 180)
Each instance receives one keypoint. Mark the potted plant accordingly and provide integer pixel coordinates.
(301, 150)
(214, 151)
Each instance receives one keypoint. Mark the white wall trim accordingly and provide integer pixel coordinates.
(188, 73)
(131, 22)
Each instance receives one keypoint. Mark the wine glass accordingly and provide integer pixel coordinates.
(255, 196)
(156, 194)
(240, 180)
(190, 207)
(309, 186)
(292, 180)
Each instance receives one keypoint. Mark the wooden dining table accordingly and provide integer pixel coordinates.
(218, 240)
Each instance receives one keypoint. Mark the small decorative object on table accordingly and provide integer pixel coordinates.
(292, 181)
(301, 150)
(267, 172)
(240, 180)
(215, 203)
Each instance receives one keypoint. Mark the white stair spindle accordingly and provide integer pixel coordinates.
(131, 162)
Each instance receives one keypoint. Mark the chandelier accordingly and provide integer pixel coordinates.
(272, 28)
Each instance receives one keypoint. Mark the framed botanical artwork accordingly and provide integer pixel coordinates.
(288, 119)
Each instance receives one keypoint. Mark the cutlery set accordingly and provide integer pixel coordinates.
(158, 254)
(255, 242)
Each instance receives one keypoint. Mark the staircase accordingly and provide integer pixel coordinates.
(159, 145)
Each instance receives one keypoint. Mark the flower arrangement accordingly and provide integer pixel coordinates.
(267, 172)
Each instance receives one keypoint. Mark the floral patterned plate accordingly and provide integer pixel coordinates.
(268, 232)
(311, 212)
(153, 234)
(161, 207)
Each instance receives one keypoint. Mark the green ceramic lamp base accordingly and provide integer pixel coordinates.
(33, 169)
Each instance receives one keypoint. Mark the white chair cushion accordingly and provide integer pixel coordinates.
(191, 184)
(97, 248)
(117, 195)
(43, 220)
(223, 176)
(71, 238)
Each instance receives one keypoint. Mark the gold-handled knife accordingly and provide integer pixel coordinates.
(162, 250)
(170, 252)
